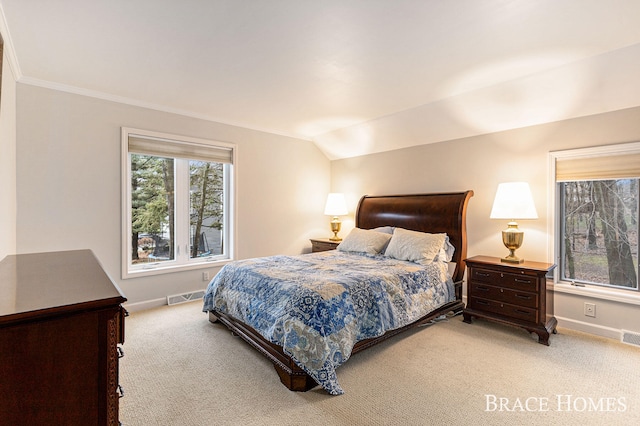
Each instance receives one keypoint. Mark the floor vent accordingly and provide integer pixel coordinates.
(630, 338)
(185, 297)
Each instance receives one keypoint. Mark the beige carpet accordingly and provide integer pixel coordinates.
(179, 369)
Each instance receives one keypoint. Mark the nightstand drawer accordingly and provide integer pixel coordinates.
(506, 309)
(514, 297)
(503, 279)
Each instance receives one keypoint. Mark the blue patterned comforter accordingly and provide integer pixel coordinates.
(317, 306)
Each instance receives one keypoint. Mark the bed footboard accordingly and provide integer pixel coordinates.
(292, 376)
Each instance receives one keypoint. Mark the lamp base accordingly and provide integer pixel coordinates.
(512, 259)
(335, 228)
(512, 239)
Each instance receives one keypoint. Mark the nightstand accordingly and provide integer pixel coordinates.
(323, 244)
(510, 293)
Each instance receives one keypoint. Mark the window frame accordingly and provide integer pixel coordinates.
(554, 224)
(183, 262)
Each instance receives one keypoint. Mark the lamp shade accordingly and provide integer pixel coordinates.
(336, 205)
(513, 201)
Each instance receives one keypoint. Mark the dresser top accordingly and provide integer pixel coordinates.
(495, 261)
(40, 284)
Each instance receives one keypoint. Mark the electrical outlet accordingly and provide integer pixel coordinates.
(205, 276)
(590, 309)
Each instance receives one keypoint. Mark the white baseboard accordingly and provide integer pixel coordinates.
(147, 304)
(598, 330)
(569, 323)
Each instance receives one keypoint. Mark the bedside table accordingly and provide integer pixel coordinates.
(323, 244)
(510, 293)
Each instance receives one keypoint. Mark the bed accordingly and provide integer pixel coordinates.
(320, 294)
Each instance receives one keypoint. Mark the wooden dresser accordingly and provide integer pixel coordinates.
(61, 322)
(514, 294)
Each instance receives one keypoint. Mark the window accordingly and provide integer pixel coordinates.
(178, 199)
(598, 194)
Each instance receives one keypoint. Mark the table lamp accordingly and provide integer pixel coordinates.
(513, 201)
(336, 206)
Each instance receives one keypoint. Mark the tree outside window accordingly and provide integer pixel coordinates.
(600, 232)
(207, 202)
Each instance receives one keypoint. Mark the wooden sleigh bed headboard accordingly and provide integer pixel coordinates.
(433, 213)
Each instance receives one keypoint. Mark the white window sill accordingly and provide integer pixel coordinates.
(621, 296)
(169, 269)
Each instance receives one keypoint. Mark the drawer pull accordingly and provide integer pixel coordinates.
(522, 312)
(525, 297)
(120, 391)
(482, 302)
(483, 274)
(482, 288)
(518, 280)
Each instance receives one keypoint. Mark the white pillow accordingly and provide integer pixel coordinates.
(364, 241)
(414, 246)
(386, 230)
(446, 252)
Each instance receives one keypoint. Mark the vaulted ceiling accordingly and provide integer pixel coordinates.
(335, 71)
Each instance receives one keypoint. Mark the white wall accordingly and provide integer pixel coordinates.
(480, 163)
(7, 159)
(68, 183)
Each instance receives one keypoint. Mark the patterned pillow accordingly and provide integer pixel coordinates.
(414, 246)
(364, 241)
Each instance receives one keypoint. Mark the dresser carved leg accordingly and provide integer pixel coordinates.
(466, 318)
(543, 337)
